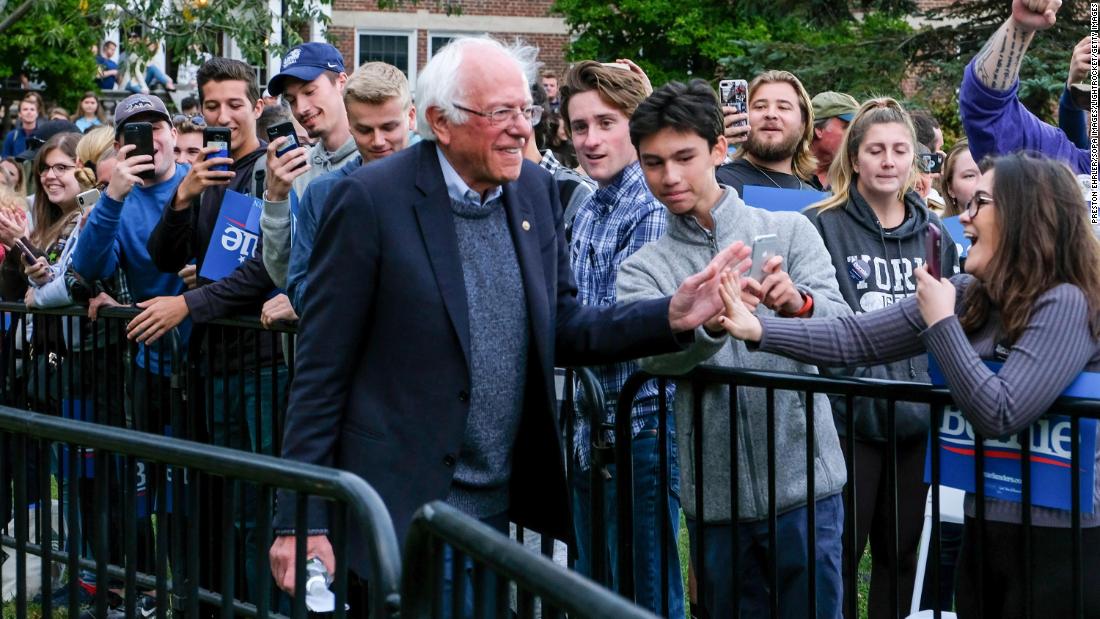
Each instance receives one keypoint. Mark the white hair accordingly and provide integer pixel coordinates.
(441, 82)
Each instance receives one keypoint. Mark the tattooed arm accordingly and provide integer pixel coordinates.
(997, 65)
(994, 119)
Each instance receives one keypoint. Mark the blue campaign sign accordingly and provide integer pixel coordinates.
(235, 235)
(955, 229)
(776, 199)
(1051, 442)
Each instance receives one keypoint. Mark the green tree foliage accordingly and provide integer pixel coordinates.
(940, 54)
(820, 40)
(50, 43)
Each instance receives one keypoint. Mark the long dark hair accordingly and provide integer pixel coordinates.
(1046, 240)
(50, 218)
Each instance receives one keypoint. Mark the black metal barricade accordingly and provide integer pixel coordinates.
(936, 399)
(100, 536)
(501, 576)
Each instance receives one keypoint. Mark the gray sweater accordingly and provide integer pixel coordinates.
(498, 358)
(656, 271)
(1055, 347)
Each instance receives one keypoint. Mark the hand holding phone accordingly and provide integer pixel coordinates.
(218, 137)
(934, 251)
(284, 129)
(735, 94)
(23, 246)
(141, 136)
(764, 248)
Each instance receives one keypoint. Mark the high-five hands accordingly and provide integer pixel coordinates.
(737, 319)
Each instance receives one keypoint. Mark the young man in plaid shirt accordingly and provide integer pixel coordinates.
(619, 218)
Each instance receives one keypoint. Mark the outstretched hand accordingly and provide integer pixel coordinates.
(697, 300)
(736, 318)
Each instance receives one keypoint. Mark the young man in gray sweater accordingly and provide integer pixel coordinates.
(678, 134)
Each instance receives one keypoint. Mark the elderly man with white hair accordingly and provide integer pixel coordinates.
(441, 299)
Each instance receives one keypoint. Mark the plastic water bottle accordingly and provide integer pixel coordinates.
(319, 598)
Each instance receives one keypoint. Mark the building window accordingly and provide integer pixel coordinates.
(437, 42)
(395, 48)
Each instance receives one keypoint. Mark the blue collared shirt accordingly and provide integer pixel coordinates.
(616, 221)
(458, 190)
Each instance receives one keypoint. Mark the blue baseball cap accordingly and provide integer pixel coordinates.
(306, 62)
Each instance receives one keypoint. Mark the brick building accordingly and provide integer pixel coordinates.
(408, 35)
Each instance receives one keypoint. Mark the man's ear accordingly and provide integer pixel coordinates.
(412, 118)
(258, 108)
(440, 124)
(718, 153)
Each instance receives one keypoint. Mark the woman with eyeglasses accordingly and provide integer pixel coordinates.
(90, 113)
(53, 222)
(1030, 298)
(875, 227)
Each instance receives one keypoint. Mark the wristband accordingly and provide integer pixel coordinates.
(805, 310)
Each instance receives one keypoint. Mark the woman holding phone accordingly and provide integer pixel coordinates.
(876, 228)
(1030, 298)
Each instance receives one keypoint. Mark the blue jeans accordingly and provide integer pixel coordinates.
(647, 526)
(791, 557)
(486, 588)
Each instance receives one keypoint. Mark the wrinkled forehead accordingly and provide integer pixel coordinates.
(490, 78)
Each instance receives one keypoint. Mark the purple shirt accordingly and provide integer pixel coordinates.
(996, 123)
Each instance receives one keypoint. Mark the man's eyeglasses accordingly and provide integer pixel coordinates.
(499, 116)
(976, 203)
(196, 120)
(59, 169)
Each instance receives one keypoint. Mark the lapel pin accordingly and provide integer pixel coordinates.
(526, 225)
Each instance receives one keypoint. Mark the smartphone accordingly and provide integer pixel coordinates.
(933, 162)
(735, 94)
(28, 251)
(141, 136)
(217, 136)
(283, 129)
(763, 248)
(87, 199)
(934, 239)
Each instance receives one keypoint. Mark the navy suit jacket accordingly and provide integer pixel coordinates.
(382, 377)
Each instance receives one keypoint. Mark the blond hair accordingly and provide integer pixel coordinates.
(842, 175)
(378, 82)
(12, 202)
(95, 146)
(803, 164)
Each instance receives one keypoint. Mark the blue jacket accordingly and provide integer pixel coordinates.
(115, 237)
(997, 124)
(15, 142)
(309, 213)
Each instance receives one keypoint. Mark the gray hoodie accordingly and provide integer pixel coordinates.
(656, 270)
(884, 275)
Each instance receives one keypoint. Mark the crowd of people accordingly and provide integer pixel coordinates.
(442, 249)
